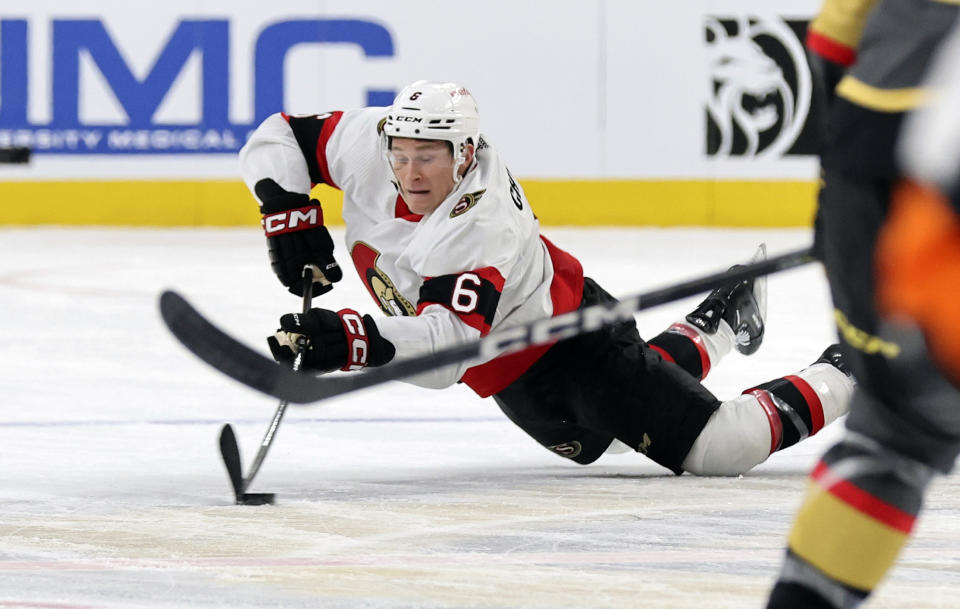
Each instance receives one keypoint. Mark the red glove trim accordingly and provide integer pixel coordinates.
(358, 343)
(292, 220)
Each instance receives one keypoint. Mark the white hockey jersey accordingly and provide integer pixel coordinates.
(476, 263)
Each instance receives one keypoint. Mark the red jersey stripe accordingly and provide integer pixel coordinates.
(830, 49)
(566, 292)
(328, 126)
(401, 211)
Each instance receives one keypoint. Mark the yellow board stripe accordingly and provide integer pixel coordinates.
(556, 202)
(843, 542)
(881, 100)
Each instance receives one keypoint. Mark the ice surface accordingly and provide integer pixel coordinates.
(112, 493)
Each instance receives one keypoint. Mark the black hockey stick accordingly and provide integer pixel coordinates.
(243, 364)
(230, 451)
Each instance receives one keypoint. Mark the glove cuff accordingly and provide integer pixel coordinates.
(365, 345)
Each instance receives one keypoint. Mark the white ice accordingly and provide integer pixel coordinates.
(112, 493)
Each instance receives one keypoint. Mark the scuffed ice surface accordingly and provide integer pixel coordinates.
(112, 494)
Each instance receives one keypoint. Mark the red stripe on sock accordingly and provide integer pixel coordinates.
(697, 340)
(861, 500)
(813, 401)
(773, 417)
(663, 353)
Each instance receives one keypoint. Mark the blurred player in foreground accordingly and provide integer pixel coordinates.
(884, 262)
(446, 243)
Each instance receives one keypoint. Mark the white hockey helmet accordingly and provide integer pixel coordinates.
(428, 110)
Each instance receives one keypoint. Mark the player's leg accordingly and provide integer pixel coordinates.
(746, 430)
(566, 439)
(544, 401)
(867, 491)
(730, 316)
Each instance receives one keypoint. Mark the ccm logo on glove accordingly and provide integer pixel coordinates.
(356, 339)
(292, 220)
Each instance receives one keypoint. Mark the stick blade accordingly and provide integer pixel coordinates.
(230, 452)
(225, 353)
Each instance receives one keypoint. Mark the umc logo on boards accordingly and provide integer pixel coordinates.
(760, 102)
(76, 40)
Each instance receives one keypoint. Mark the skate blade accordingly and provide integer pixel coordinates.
(760, 283)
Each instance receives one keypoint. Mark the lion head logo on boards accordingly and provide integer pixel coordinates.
(760, 89)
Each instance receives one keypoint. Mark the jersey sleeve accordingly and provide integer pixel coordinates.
(435, 328)
(300, 152)
(472, 296)
(312, 133)
(273, 152)
(835, 32)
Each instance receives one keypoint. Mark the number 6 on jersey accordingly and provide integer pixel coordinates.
(473, 295)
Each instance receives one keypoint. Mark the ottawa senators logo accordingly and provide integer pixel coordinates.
(391, 301)
(466, 202)
(570, 450)
(381, 288)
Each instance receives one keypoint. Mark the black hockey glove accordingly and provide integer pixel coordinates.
(337, 340)
(296, 236)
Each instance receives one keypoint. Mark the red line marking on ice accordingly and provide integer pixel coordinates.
(39, 605)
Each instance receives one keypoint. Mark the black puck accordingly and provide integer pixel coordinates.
(256, 499)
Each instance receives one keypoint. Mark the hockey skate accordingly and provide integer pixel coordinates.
(833, 356)
(742, 305)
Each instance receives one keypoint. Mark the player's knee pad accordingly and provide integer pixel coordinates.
(735, 438)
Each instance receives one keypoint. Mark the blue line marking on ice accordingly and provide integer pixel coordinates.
(116, 423)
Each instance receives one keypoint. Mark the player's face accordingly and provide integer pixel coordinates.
(424, 169)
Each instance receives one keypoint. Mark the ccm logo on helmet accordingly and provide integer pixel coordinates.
(292, 220)
(409, 119)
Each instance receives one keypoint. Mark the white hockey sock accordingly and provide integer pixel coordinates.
(744, 431)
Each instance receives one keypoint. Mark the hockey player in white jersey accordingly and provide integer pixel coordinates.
(446, 243)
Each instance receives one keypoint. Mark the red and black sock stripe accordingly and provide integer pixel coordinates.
(793, 408)
(683, 346)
